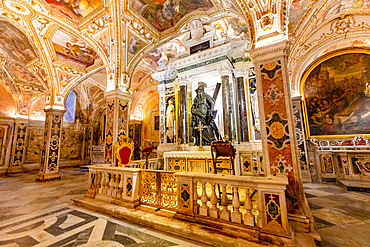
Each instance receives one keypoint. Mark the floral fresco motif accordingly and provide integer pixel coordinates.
(15, 43)
(73, 50)
(164, 14)
(335, 98)
(75, 9)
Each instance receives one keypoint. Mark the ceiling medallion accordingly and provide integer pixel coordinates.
(20, 8)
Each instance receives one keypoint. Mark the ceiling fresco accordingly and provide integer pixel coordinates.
(23, 78)
(15, 44)
(73, 50)
(233, 28)
(75, 9)
(170, 49)
(339, 8)
(164, 14)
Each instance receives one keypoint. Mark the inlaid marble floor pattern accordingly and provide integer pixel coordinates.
(42, 214)
(342, 217)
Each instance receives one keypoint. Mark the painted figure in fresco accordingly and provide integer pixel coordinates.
(203, 111)
(133, 45)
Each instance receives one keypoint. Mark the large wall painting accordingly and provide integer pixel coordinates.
(335, 99)
(75, 9)
(164, 14)
(14, 43)
(73, 50)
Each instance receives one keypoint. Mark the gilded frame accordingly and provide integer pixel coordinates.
(307, 72)
(124, 141)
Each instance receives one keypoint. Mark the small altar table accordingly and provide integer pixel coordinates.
(193, 161)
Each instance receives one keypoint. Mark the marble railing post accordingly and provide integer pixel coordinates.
(277, 124)
(225, 72)
(182, 121)
(117, 112)
(49, 167)
(19, 144)
(301, 139)
(242, 114)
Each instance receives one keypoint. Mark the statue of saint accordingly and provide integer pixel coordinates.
(170, 116)
(203, 111)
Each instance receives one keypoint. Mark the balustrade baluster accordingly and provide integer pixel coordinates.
(120, 186)
(204, 209)
(236, 215)
(115, 185)
(214, 211)
(105, 183)
(110, 184)
(100, 182)
(248, 217)
(225, 212)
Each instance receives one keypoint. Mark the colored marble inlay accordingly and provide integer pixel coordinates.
(19, 146)
(122, 118)
(178, 165)
(108, 154)
(185, 196)
(54, 144)
(277, 122)
(273, 211)
(129, 187)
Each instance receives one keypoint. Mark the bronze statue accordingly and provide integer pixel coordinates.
(203, 112)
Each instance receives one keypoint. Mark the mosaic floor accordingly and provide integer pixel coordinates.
(42, 214)
(342, 218)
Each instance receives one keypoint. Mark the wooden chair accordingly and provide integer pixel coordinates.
(124, 149)
(223, 149)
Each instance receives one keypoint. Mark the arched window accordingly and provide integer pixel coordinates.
(69, 116)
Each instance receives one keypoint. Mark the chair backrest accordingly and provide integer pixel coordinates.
(124, 149)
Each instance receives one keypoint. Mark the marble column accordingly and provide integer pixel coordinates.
(87, 143)
(301, 139)
(117, 112)
(50, 154)
(276, 119)
(182, 120)
(19, 144)
(242, 113)
(226, 101)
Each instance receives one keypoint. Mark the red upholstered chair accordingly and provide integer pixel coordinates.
(124, 149)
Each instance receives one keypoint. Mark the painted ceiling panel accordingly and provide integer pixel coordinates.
(76, 10)
(164, 14)
(71, 49)
(15, 44)
(23, 78)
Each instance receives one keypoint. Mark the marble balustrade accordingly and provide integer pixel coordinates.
(248, 201)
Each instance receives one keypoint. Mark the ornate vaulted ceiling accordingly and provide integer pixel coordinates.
(48, 47)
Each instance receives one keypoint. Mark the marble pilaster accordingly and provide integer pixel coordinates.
(87, 143)
(118, 104)
(162, 113)
(50, 154)
(276, 119)
(225, 72)
(19, 144)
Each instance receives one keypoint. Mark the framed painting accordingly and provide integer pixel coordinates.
(336, 95)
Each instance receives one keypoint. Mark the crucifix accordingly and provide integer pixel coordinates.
(200, 128)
